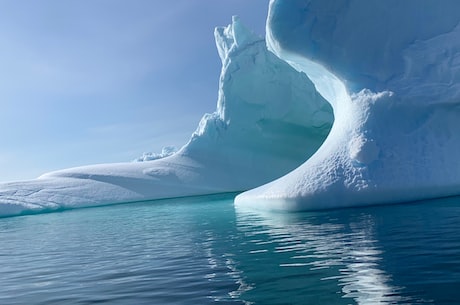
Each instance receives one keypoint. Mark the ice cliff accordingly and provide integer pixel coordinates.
(391, 71)
(269, 120)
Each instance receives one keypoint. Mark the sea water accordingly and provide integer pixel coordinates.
(203, 251)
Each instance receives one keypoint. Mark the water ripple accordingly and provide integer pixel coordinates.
(202, 251)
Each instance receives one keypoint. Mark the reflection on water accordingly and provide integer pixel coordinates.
(358, 251)
(202, 251)
(346, 253)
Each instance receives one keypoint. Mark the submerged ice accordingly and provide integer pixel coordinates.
(269, 119)
(391, 71)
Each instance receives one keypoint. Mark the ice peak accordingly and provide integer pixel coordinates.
(235, 35)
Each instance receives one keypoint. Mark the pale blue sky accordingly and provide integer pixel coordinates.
(95, 81)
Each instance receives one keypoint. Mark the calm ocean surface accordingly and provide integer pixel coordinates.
(203, 251)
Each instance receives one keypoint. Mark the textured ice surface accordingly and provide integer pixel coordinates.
(391, 71)
(269, 120)
(150, 156)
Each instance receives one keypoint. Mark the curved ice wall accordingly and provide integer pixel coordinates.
(391, 71)
(269, 119)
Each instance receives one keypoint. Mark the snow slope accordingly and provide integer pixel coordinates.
(391, 71)
(269, 119)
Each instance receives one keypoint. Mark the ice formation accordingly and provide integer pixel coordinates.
(150, 156)
(269, 120)
(391, 71)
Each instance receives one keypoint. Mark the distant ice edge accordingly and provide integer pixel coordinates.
(395, 139)
(269, 120)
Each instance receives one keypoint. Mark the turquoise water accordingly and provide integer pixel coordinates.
(201, 251)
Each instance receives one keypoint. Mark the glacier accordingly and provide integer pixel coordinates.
(391, 71)
(269, 119)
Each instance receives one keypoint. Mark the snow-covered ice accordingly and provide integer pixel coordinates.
(269, 120)
(391, 71)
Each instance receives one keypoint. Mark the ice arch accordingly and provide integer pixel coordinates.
(397, 110)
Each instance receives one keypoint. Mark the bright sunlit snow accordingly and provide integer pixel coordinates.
(391, 71)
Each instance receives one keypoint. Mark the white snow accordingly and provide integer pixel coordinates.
(391, 71)
(269, 120)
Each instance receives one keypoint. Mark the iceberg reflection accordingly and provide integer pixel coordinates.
(315, 248)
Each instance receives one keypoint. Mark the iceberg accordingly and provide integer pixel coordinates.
(269, 119)
(391, 71)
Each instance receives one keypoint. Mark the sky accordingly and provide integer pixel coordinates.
(98, 81)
